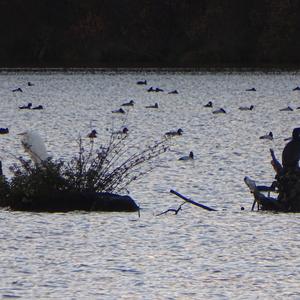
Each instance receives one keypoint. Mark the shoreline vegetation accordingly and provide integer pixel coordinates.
(158, 33)
(141, 69)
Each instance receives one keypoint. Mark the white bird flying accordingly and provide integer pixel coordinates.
(34, 146)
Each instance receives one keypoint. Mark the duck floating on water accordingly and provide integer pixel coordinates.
(208, 104)
(151, 89)
(17, 90)
(142, 82)
(92, 134)
(4, 130)
(38, 107)
(286, 109)
(219, 111)
(28, 106)
(251, 90)
(297, 88)
(123, 131)
(30, 83)
(189, 157)
(268, 136)
(119, 111)
(152, 106)
(130, 103)
(174, 133)
(246, 108)
(173, 92)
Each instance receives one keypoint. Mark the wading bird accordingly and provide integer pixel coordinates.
(34, 146)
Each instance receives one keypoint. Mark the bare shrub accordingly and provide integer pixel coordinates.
(109, 168)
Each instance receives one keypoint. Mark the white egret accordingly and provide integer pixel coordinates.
(34, 146)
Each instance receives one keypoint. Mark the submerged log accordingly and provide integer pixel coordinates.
(69, 201)
(192, 201)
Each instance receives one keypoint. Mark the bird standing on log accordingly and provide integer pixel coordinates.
(34, 146)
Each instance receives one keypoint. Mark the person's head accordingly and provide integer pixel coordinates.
(296, 133)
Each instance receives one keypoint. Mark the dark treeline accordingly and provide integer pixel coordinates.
(168, 33)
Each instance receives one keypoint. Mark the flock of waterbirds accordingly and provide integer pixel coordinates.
(209, 104)
(130, 104)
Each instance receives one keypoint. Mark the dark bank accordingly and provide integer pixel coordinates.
(114, 33)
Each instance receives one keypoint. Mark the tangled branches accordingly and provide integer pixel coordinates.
(109, 168)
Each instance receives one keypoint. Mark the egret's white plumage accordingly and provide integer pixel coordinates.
(34, 146)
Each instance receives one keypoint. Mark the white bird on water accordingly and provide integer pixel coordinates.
(34, 146)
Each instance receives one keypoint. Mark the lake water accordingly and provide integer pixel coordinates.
(227, 254)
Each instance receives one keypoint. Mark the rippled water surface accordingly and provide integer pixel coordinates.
(227, 254)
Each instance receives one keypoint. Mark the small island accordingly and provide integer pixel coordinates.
(90, 181)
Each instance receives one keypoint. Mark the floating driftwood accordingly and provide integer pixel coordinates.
(191, 201)
(286, 185)
(187, 200)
